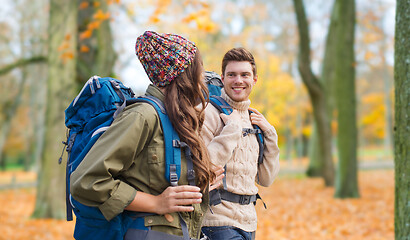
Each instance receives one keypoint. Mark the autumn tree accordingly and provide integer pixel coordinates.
(402, 113)
(22, 53)
(317, 93)
(61, 76)
(346, 177)
(95, 52)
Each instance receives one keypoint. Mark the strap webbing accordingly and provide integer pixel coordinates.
(184, 227)
(237, 198)
(189, 163)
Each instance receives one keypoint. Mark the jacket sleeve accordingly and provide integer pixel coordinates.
(269, 169)
(95, 182)
(220, 139)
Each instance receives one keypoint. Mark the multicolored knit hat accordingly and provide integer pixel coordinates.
(164, 56)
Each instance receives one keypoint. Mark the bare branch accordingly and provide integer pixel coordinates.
(21, 63)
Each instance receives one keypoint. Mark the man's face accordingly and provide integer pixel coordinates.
(238, 80)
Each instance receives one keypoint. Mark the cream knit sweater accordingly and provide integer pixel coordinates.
(227, 146)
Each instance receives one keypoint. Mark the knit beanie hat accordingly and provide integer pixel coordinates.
(164, 56)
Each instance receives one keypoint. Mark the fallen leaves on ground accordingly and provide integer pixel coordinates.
(306, 209)
(300, 209)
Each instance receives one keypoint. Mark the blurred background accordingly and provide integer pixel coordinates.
(49, 50)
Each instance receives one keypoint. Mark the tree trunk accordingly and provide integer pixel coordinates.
(317, 162)
(402, 121)
(100, 58)
(317, 96)
(50, 202)
(38, 93)
(346, 177)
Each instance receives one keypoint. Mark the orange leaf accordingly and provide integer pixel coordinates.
(93, 25)
(63, 46)
(86, 34)
(83, 5)
(100, 15)
(154, 19)
(96, 4)
(67, 56)
(84, 49)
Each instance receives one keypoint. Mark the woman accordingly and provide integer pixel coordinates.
(123, 173)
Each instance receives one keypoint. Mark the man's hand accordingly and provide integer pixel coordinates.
(234, 116)
(217, 182)
(258, 119)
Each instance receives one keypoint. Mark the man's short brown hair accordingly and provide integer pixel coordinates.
(239, 55)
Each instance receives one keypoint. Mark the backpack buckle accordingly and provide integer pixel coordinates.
(173, 176)
(244, 199)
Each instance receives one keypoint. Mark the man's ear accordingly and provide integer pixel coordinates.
(255, 79)
(222, 78)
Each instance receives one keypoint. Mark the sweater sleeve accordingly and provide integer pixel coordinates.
(95, 182)
(221, 140)
(269, 169)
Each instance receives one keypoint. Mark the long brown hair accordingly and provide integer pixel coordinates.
(181, 96)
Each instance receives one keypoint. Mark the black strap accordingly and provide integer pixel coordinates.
(237, 198)
(133, 234)
(214, 197)
(184, 227)
(189, 163)
(69, 207)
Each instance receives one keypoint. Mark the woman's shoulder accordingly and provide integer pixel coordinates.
(140, 110)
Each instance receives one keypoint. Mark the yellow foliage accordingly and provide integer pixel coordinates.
(307, 130)
(100, 15)
(202, 19)
(96, 4)
(109, 2)
(371, 38)
(368, 55)
(373, 116)
(154, 19)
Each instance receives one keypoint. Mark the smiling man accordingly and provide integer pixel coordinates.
(230, 143)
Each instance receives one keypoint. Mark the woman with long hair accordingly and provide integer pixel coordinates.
(123, 174)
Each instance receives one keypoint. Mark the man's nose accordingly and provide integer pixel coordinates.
(238, 78)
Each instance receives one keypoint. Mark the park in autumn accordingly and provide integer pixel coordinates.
(332, 80)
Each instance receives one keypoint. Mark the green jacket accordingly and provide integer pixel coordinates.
(127, 158)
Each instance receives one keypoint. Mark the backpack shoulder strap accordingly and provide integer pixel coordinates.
(260, 138)
(172, 155)
(219, 103)
(172, 143)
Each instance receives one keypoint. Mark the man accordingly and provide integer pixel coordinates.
(230, 144)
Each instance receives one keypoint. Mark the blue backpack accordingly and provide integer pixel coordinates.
(214, 83)
(87, 118)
